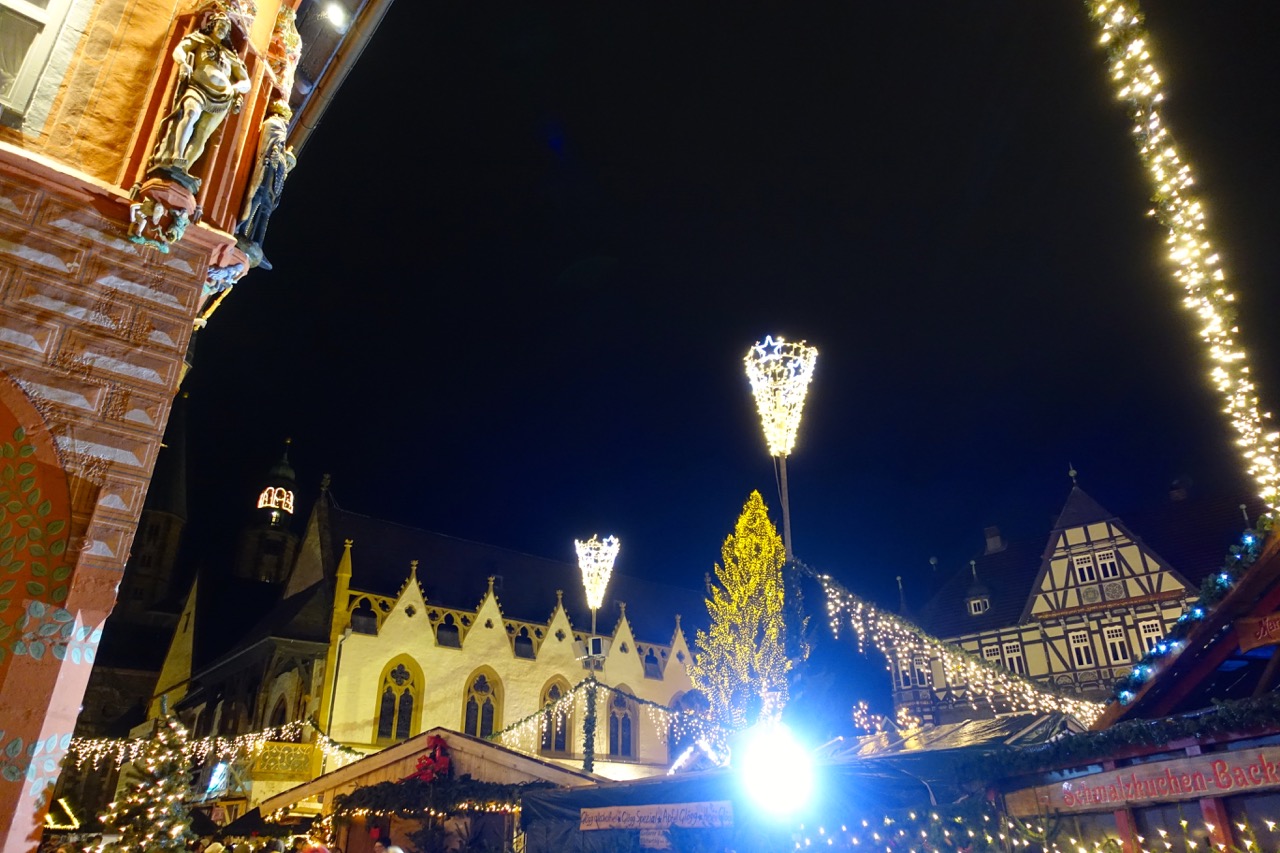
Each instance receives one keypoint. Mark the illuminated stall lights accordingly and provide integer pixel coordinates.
(93, 751)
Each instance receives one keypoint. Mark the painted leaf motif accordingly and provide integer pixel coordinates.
(59, 651)
(88, 655)
(26, 450)
(37, 650)
(75, 655)
(26, 468)
(36, 550)
(7, 586)
(60, 615)
(59, 594)
(44, 509)
(11, 773)
(26, 484)
(51, 745)
(48, 629)
(58, 547)
(35, 588)
(36, 609)
(62, 572)
(20, 434)
(55, 526)
(14, 749)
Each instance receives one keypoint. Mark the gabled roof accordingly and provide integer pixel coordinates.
(454, 573)
(1192, 535)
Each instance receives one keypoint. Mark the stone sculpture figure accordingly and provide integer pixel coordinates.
(211, 79)
(275, 162)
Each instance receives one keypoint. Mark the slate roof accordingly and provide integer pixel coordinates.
(454, 573)
(1193, 535)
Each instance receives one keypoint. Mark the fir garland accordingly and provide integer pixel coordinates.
(1213, 589)
(1240, 716)
(416, 798)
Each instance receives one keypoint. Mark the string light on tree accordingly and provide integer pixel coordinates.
(780, 372)
(152, 815)
(1197, 264)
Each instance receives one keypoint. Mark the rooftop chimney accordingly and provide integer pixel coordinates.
(995, 543)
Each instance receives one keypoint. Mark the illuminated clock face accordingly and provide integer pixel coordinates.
(276, 497)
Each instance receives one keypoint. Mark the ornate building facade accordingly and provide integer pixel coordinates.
(142, 148)
(378, 632)
(1077, 611)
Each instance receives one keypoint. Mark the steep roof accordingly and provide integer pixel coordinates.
(454, 573)
(1192, 534)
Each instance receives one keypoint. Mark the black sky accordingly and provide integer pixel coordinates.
(518, 266)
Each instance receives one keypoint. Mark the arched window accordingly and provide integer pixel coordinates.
(279, 714)
(483, 703)
(556, 726)
(398, 694)
(622, 722)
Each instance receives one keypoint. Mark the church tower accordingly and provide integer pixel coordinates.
(267, 547)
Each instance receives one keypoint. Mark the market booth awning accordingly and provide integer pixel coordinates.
(480, 759)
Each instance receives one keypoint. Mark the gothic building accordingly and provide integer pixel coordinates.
(1077, 610)
(377, 632)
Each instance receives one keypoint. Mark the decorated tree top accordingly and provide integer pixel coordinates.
(741, 663)
(152, 815)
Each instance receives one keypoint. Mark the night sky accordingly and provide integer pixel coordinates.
(519, 264)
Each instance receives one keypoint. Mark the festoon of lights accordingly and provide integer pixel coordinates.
(898, 639)
(1197, 265)
(780, 372)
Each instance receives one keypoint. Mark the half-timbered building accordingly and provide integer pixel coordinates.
(1078, 610)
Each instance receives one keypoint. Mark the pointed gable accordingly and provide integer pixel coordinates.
(1080, 510)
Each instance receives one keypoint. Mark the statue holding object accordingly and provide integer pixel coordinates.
(275, 161)
(211, 79)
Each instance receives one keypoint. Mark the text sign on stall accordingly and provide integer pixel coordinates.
(700, 815)
(1217, 775)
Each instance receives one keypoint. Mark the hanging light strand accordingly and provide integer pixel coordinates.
(1197, 266)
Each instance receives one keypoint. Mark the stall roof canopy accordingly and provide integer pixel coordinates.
(1010, 730)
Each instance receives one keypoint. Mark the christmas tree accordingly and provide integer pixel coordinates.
(741, 665)
(152, 815)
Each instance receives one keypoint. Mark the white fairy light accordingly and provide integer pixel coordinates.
(780, 372)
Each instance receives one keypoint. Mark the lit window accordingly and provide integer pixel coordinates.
(904, 674)
(1108, 565)
(1151, 633)
(1081, 650)
(480, 714)
(1084, 568)
(991, 653)
(1117, 645)
(28, 30)
(921, 673)
(1013, 658)
(400, 685)
(979, 605)
(622, 718)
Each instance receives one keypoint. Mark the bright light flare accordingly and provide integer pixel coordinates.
(780, 372)
(595, 559)
(776, 769)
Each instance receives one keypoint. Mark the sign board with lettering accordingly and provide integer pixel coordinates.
(699, 815)
(1255, 631)
(1217, 775)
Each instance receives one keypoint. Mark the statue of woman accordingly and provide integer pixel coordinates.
(211, 77)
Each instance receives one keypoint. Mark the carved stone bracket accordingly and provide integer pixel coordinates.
(160, 214)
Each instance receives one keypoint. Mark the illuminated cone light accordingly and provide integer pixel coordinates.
(780, 372)
(595, 559)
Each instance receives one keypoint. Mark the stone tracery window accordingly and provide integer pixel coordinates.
(482, 705)
(400, 690)
(556, 726)
(622, 720)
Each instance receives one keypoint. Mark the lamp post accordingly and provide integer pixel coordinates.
(595, 560)
(780, 372)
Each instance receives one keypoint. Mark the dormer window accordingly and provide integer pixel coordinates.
(979, 605)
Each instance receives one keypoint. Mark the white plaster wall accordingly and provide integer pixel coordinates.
(447, 671)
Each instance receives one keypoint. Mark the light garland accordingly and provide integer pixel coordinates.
(898, 639)
(780, 372)
(1197, 265)
(526, 734)
(93, 751)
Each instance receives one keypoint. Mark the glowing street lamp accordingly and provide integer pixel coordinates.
(780, 372)
(595, 560)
